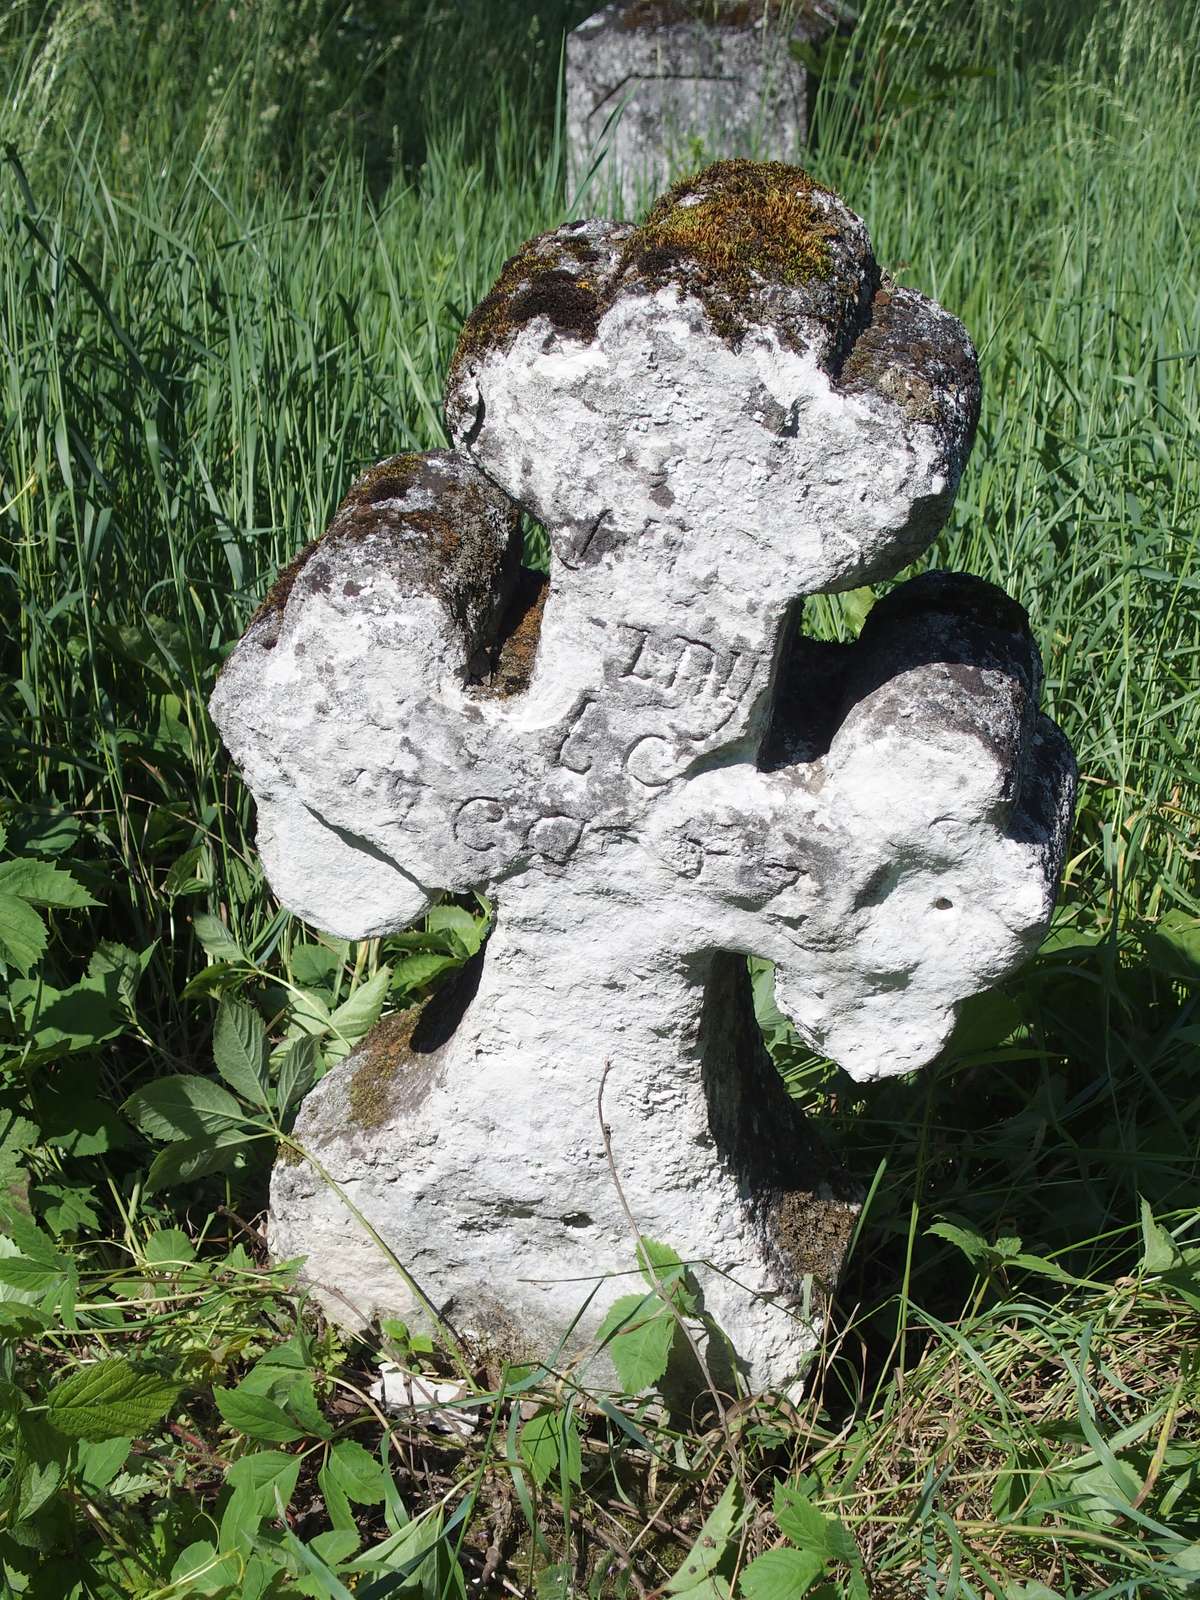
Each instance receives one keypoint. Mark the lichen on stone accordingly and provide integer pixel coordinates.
(432, 519)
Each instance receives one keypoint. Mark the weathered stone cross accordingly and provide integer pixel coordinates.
(646, 765)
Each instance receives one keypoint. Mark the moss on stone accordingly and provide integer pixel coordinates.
(812, 1232)
(732, 231)
(735, 225)
(547, 277)
(386, 1051)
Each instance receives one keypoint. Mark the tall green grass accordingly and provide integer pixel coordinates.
(238, 242)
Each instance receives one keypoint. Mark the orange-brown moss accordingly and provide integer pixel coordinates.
(388, 479)
(813, 1234)
(521, 635)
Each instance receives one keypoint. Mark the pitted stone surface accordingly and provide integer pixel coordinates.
(662, 777)
(650, 82)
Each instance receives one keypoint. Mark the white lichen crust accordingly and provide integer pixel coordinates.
(652, 773)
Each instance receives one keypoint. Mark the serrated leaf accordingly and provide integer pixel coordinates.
(973, 1245)
(30, 1277)
(800, 1520)
(357, 1473)
(41, 884)
(549, 1440)
(297, 1074)
(39, 1464)
(188, 1159)
(662, 1268)
(110, 1399)
(256, 1416)
(313, 965)
(22, 934)
(99, 1463)
(240, 1050)
(169, 1247)
(712, 1541)
(217, 940)
(781, 1575)
(183, 1108)
(637, 1333)
(262, 1470)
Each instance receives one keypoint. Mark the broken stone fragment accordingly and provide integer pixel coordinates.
(651, 83)
(650, 771)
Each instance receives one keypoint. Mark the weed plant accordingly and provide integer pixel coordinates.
(238, 244)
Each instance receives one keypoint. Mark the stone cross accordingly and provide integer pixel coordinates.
(651, 82)
(648, 767)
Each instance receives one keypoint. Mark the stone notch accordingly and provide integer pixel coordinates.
(649, 770)
(652, 82)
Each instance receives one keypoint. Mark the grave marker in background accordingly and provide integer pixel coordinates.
(657, 87)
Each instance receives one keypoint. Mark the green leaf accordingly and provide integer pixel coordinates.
(297, 1074)
(256, 1416)
(973, 1245)
(30, 1277)
(183, 1108)
(359, 1014)
(1159, 1250)
(637, 1333)
(41, 884)
(800, 1520)
(712, 1541)
(468, 929)
(781, 1575)
(549, 1439)
(413, 973)
(264, 1471)
(240, 1050)
(313, 965)
(40, 1455)
(1177, 937)
(22, 934)
(110, 1399)
(169, 1247)
(188, 1159)
(217, 939)
(856, 604)
(357, 1473)
(662, 1268)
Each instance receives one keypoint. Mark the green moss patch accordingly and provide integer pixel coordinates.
(386, 1052)
(736, 226)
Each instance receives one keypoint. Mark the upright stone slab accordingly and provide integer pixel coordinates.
(656, 86)
(648, 768)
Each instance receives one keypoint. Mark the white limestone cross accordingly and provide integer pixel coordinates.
(647, 767)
